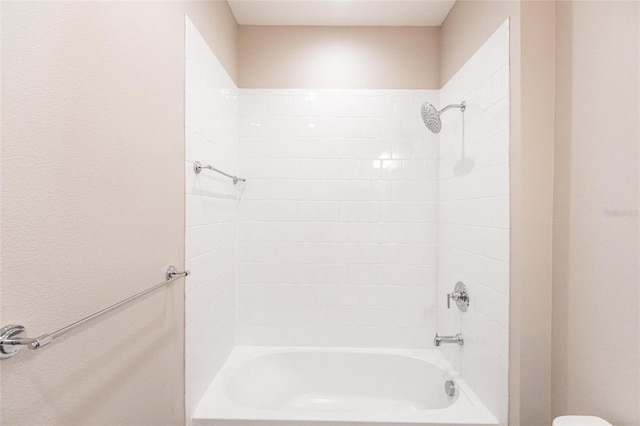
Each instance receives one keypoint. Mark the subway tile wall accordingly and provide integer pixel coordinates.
(474, 220)
(211, 134)
(338, 222)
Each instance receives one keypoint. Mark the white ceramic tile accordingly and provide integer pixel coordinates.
(474, 219)
(211, 121)
(315, 235)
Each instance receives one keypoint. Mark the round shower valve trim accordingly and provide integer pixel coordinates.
(460, 296)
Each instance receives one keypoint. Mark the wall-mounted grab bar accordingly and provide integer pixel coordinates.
(197, 167)
(11, 336)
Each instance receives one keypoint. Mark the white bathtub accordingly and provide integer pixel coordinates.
(336, 386)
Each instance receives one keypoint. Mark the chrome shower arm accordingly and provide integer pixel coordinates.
(462, 107)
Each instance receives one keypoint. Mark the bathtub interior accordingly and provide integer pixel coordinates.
(260, 385)
(338, 381)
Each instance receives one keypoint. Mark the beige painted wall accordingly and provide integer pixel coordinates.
(93, 206)
(532, 216)
(468, 25)
(218, 26)
(339, 57)
(595, 253)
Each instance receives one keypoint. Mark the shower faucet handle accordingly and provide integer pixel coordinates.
(455, 296)
(460, 296)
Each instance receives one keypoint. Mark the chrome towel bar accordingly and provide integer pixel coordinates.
(197, 167)
(11, 336)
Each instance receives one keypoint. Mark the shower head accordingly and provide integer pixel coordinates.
(431, 116)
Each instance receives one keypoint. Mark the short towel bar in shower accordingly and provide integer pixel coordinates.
(11, 336)
(197, 167)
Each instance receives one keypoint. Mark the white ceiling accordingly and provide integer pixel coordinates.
(341, 12)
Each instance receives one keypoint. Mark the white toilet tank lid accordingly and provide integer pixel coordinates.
(580, 421)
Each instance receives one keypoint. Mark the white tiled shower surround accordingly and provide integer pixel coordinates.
(474, 219)
(337, 232)
(211, 126)
(355, 221)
